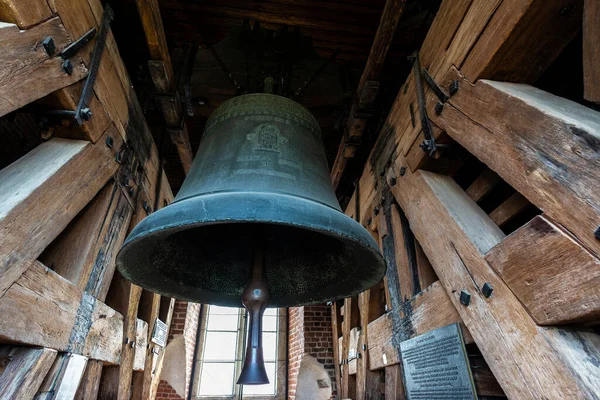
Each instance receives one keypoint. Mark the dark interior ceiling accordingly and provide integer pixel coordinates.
(287, 39)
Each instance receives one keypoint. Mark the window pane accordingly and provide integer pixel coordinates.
(220, 346)
(269, 323)
(222, 322)
(270, 346)
(216, 379)
(250, 390)
(271, 311)
(218, 310)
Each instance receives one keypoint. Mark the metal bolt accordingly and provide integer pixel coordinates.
(376, 210)
(597, 233)
(453, 88)
(109, 142)
(402, 171)
(487, 289)
(439, 107)
(393, 181)
(132, 343)
(369, 221)
(49, 46)
(364, 346)
(126, 340)
(118, 157)
(358, 355)
(465, 297)
(67, 66)
(146, 207)
(86, 114)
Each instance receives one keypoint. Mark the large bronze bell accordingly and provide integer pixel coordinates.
(255, 222)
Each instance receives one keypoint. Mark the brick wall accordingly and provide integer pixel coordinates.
(310, 332)
(184, 322)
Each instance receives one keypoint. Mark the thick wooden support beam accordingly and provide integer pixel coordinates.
(509, 209)
(394, 386)
(155, 36)
(27, 71)
(25, 371)
(367, 381)
(64, 377)
(456, 234)
(591, 50)
(60, 316)
(483, 185)
(336, 331)
(42, 191)
(551, 273)
(141, 343)
(150, 391)
(431, 309)
(544, 146)
(181, 140)
(368, 86)
(90, 382)
(24, 13)
(351, 320)
(85, 251)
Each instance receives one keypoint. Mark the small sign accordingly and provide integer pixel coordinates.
(159, 333)
(322, 383)
(436, 366)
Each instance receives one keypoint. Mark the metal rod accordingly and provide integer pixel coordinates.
(310, 80)
(225, 70)
(429, 143)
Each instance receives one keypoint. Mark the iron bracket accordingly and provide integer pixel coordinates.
(428, 145)
(437, 90)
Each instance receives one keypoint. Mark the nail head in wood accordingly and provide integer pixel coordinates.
(465, 297)
(392, 181)
(487, 289)
(109, 142)
(453, 88)
(67, 66)
(439, 107)
(402, 171)
(49, 46)
(597, 233)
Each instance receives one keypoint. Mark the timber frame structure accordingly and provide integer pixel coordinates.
(478, 185)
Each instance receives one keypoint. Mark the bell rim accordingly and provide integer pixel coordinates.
(358, 236)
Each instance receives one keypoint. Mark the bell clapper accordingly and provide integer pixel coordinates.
(255, 298)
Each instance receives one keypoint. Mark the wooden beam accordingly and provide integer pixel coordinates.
(336, 330)
(368, 86)
(42, 191)
(24, 13)
(431, 309)
(85, 251)
(90, 382)
(555, 278)
(150, 391)
(509, 209)
(394, 386)
(25, 372)
(591, 51)
(483, 185)
(141, 345)
(552, 140)
(63, 379)
(351, 320)
(59, 316)
(155, 36)
(27, 71)
(500, 325)
(367, 381)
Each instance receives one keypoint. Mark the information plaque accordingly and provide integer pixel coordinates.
(159, 333)
(436, 367)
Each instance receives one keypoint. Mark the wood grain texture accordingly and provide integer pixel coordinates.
(483, 185)
(149, 12)
(336, 329)
(90, 382)
(27, 72)
(547, 150)
(429, 310)
(394, 386)
(25, 371)
(350, 321)
(24, 13)
(463, 233)
(141, 343)
(63, 379)
(367, 381)
(591, 50)
(509, 209)
(150, 391)
(551, 273)
(40, 194)
(60, 316)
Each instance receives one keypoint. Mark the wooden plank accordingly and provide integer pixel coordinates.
(431, 309)
(551, 273)
(155, 36)
(336, 330)
(509, 209)
(24, 13)
(25, 372)
(368, 86)
(27, 72)
(141, 343)
(351, 320)
(63, 379)
(394, 386)
(85, 251)
(552, 140)
(160, 76)
(427, 274)
(150, 391)
(591, 51)
(485, 382)
(181, 140)
(59, 316)
(42, 191)
(90, 382)
(149, 314)
(500, 325)
(483, 185)
(367, 381)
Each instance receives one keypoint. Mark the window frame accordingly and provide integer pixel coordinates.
(280, 362)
